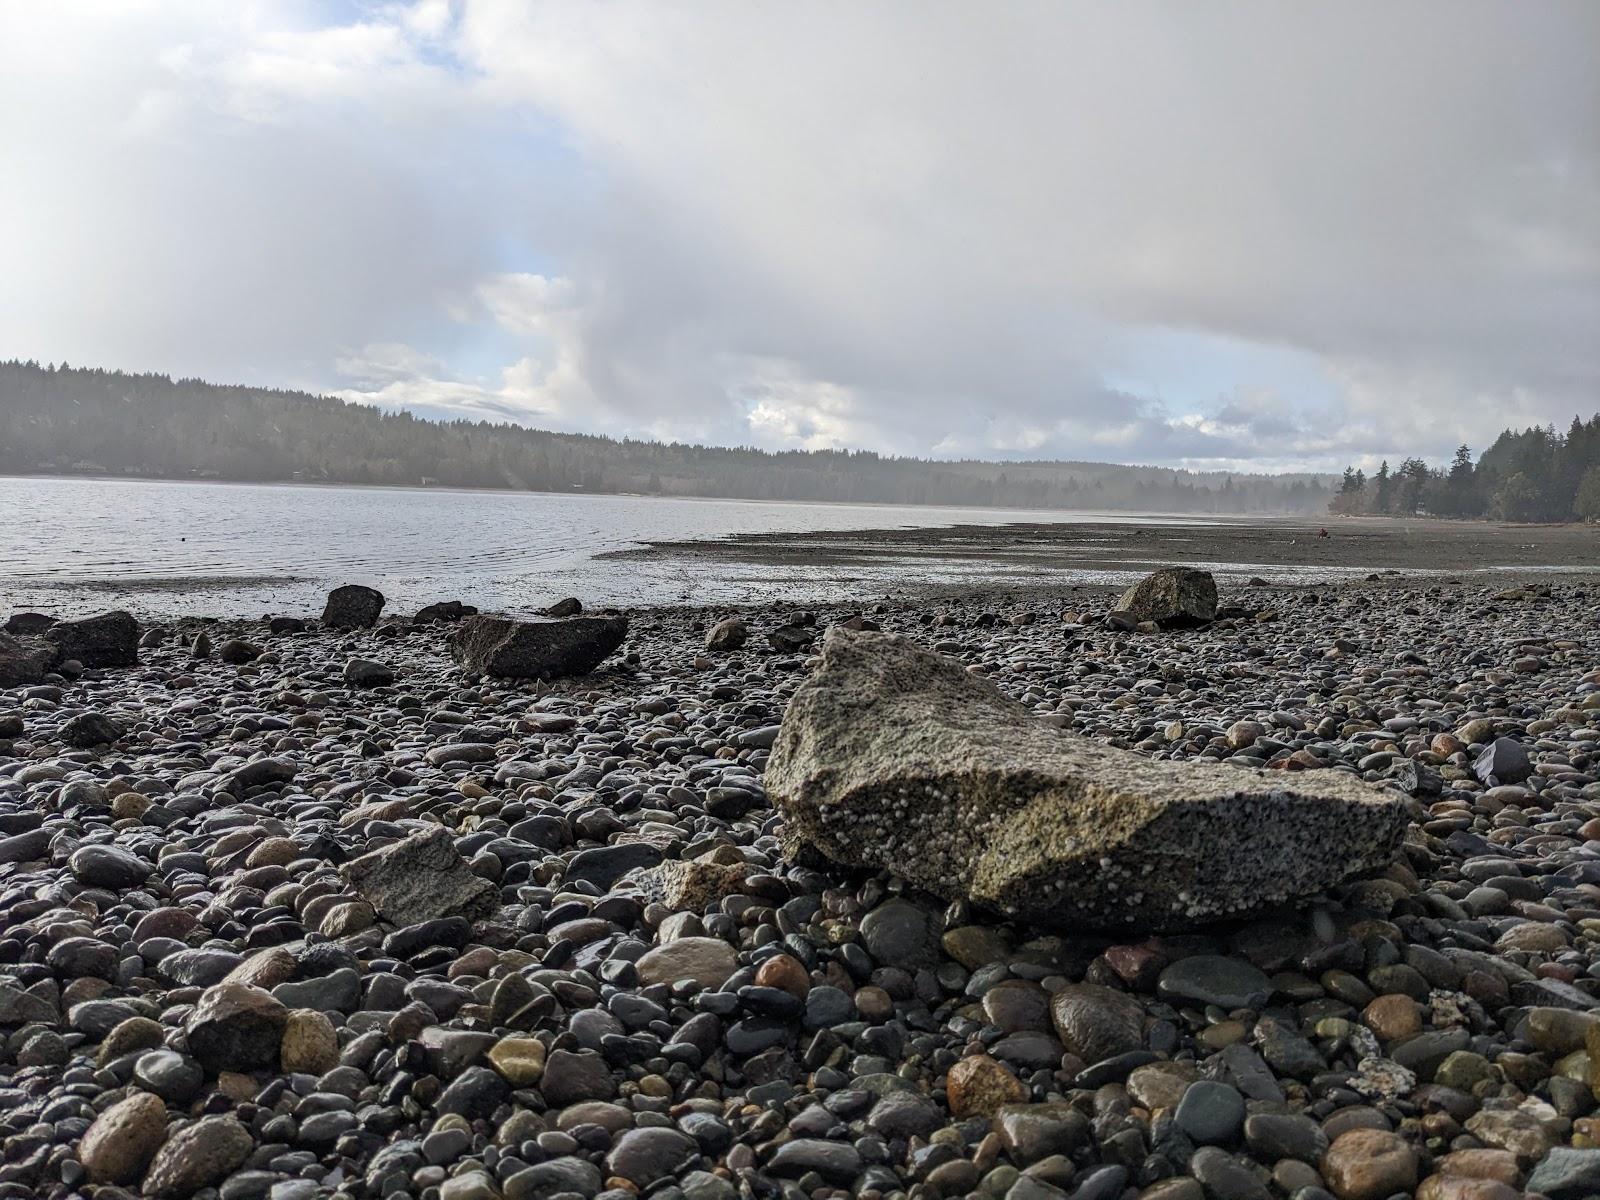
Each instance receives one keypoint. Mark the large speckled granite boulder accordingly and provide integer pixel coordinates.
(1173, 597)
(892, 757)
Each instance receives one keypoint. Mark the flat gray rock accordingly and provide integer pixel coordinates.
(419, 879)
(891, 757)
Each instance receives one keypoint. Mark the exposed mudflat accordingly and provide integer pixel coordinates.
(1280, 549)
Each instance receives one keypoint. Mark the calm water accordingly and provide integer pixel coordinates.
(243, 549)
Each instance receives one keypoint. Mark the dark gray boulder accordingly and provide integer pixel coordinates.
(890, 757)
(90, 729)
(536, 649)
(105, 640)
(730, 634)
(1173, 597)
(364, 672)
(352, 607)
(23, 660)
(444, 610)
(29, 624)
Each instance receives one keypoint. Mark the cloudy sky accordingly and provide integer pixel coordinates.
(1222, 234)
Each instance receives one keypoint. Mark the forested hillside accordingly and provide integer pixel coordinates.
(61, 419)
(1532, 474)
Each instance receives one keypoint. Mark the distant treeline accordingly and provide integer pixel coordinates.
(1535, 475)
(58, 419)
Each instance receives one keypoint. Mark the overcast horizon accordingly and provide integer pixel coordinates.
(1240, 236)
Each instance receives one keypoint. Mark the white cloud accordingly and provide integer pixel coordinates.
(924, 230)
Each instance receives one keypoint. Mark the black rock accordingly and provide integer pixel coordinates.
(107, 640)
(540, 649)
(1504, 760)
(352, 607)
(90, 729)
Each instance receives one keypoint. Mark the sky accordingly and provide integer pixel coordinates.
(1240, 235)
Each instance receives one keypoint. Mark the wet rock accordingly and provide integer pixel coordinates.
(894, 757)
(706, 961)
(123, 1139)
(199, 1155)
(1031, 1132)
(108, 867)
(642, 1156)
(1096, 1022)
(1369, 1164)
(836, 1162)
(978, 1085)
(543, 649)
(1214, 979)
(236, 1027)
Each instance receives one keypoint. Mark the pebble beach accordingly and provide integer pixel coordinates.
(199, 996)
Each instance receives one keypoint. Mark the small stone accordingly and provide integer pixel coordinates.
(642, 1156)
(1369, 1164)
(1031, 1132)
(236, 1027)
(727, 635)
(572, 1076)
(123, 1139)
(366, 673)
(519, 1059)
(198, 1156)
(1393, 1017)
(1096, 1022)
(900, 934)
(1229, 983)
(421, 879)
(978, 1085)
(1211, 1113)
(706, 961)
(310, 1043)
(1567, 1174)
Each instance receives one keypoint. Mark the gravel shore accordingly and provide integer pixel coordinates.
(628, 991)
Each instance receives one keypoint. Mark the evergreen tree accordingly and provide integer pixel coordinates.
(1383, 489)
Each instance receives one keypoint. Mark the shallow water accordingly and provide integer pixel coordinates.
(227, 549)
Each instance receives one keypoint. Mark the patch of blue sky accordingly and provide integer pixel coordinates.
(1194, 373)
